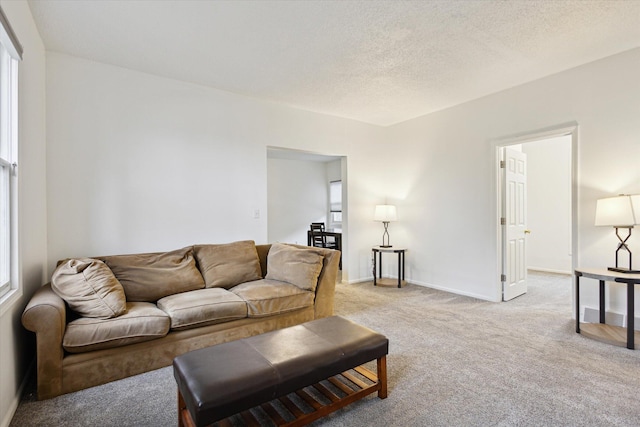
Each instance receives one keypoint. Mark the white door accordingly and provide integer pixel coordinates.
(514, 214)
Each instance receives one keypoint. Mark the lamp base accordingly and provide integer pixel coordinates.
(386, 246)
(623, 270)
(623, 246)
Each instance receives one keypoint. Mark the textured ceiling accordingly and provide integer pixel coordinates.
(380, 62)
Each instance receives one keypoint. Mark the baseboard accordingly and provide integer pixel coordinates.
(370, 279)
(353, 282)
(550, 270)
(16, 399)
(592, 315)
(428, 285)
(454, 291)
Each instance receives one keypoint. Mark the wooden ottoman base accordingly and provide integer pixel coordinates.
(308, 404)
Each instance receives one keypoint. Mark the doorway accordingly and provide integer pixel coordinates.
(301, 189)
(549, 222)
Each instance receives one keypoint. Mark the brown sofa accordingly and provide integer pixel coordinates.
(79, 346)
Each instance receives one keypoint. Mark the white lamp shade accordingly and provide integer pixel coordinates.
(617, 211)
(385, 213)
(635, 204)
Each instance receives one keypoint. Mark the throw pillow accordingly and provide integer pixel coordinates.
(89, 288)
(298, 266)
(151, 276)
(228, 265)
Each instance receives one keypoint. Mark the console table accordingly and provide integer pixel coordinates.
(378, 250)
(601, 331)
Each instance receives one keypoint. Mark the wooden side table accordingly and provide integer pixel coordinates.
(600, 331)
(377, 254)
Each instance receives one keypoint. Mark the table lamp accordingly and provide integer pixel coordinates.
(621, 211)
(385, 214)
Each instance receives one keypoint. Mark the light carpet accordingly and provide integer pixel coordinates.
(453, 361)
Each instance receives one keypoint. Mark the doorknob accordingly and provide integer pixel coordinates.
(527, 231)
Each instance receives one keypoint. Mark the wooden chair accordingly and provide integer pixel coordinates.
(318, 238)
(318, 225)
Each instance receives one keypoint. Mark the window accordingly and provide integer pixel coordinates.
(10, 54)
(335, 201)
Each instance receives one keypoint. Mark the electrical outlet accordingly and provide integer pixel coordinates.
(256, 214)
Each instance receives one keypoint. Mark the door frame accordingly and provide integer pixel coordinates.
(566, 129)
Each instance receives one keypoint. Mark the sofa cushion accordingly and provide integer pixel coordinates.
(202, 307)
(298, 266)
(143, 321)
(228, 265)
(266, 297)
(89, 287)
(151, 276)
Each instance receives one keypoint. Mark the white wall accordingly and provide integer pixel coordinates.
(16, 344)
(549, 204)
(334, 173)
(445, 182)
(297, 192)
(137, 162)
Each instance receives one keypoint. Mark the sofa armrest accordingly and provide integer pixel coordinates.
(46, 316)
(326, 289)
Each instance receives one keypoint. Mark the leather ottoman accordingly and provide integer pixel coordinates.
(219, 381)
